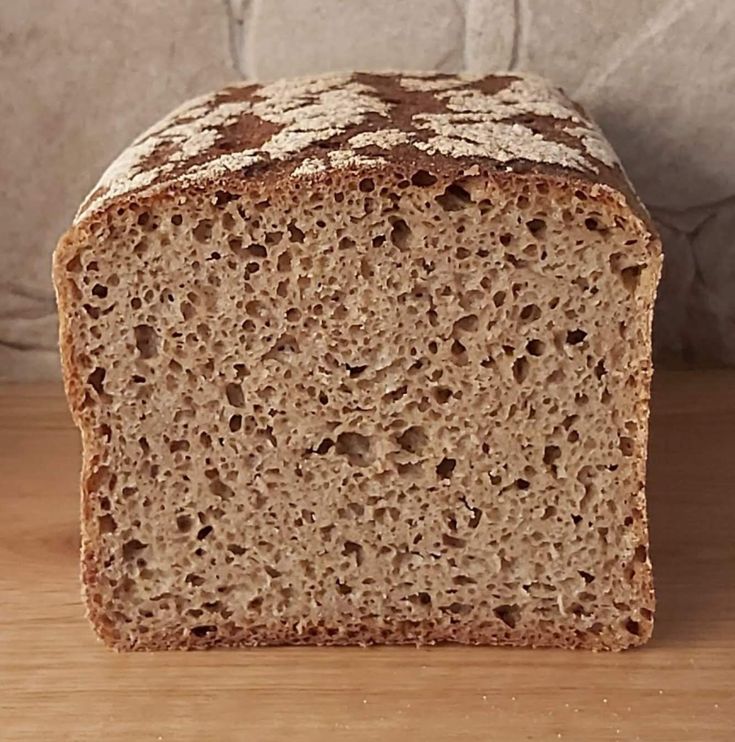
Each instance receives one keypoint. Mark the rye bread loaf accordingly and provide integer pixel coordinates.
(363, 358)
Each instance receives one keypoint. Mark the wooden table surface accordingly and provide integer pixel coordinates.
(58, 683)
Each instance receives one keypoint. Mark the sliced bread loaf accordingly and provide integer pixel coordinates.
(363, 358)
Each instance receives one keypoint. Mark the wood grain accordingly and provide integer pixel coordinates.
(58, 683)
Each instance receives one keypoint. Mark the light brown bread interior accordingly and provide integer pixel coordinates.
(383, 403)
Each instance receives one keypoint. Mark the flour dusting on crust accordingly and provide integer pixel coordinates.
(385, 139)
(497, 119)
(458, 138)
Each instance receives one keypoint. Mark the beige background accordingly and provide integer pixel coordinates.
(80, 78)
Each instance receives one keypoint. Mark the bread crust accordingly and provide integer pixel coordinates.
(509, 122)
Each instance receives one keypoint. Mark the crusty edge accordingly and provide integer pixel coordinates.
(249, 130)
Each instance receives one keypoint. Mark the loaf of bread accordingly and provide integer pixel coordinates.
(363, 358)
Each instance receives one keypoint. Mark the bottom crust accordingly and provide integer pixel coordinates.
(370, 632)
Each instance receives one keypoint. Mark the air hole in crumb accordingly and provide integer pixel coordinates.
(396, 394)
(257, 251)
(508, 614)
(96, 379)
(422, 178)
(235, 423)
(202, 533)
(294, 233)
(235, 395)
(459, 352)
(631, 277)
(184, 523)
(574, 337)
(146, 341)
(551, 454)
(522, 484)
(536, 347)
(469, 323)
(549, 512)
(203, 231)
(633, 627)
(353, 549)
(283, 264)
(443, 394)
(354, 370)
(474, 521)
(530, 312)
(627, 446)
(537, 227)
(342, 587)
(187, 310)
(593, 224)
(453, 541)
(324, 446)
(220, 489)
(366, 185)
(106, 523)
(586, 576)
(454, 198)
(131, 548)
(505, 239)
(355, 447)
(413, 439)
(255, 308)
(74, 265)
(445, 468)
(346, 243)
(520, 369)
(400, 234)
(202, 631)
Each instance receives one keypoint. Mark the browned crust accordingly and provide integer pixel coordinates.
(369, 632)
(250, 132)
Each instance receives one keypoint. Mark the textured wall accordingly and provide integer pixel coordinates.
(79, 79)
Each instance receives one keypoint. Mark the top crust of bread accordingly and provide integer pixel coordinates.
(311, 126)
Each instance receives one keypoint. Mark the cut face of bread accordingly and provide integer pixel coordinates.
(363, 359)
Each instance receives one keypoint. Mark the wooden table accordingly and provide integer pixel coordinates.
(58, 683)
